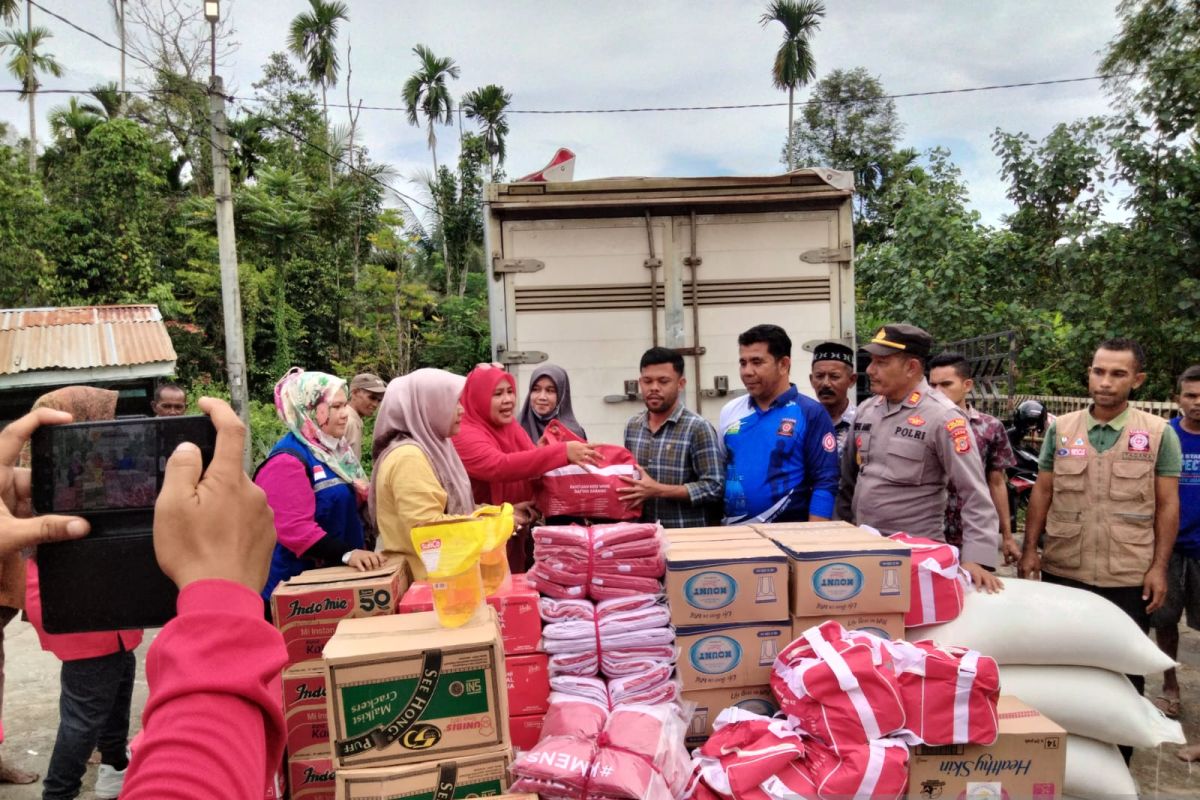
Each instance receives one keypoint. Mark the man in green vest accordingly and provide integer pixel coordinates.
(1107, 493)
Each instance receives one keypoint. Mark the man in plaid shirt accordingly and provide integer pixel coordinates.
(950, 374)
(683, 469)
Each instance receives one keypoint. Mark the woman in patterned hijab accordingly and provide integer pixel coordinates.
(312, 405)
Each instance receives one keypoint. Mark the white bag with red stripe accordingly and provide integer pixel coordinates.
(938, 582)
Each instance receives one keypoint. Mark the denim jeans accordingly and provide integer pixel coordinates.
(93, 711)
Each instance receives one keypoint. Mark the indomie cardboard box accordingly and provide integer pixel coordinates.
(468, 776)
(711, 702)
(843, 570)
(307, 608)
(720, 583)
(311, 775)
(885, 626)
(725, 656)
(528, 681)
(1028, 759)
(403, 689)
(305, 715)
(516, 604)
(525, 731)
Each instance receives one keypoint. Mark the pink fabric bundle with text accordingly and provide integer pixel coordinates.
(623, 637)
(938, 582)
(600, 562)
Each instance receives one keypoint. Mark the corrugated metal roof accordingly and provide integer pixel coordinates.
(82, 337)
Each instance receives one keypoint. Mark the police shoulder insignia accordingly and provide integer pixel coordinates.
(914, 398)
(916, 420)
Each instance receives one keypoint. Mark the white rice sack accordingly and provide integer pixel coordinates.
(1031, 622)
(1092, 702)
(1095, 770)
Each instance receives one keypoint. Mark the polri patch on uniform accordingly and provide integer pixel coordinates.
(916, 420)
(958, 432)
(958, 423)
(787, 428)
(1139, 441)
(914, 398)
(829, 443)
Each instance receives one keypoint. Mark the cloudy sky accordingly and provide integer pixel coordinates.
(622, 54)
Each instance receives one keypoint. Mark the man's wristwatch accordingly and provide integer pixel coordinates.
(346, 557)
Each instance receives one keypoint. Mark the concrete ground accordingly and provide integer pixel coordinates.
(31, 716)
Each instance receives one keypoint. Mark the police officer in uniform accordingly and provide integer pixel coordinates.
(908, 441)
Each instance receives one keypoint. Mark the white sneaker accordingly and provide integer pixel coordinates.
(109, 782)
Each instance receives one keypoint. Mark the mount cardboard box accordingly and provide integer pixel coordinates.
(726, 656)
(469, 776)
(711, 702)
(307, 608)
(1028, 759)
(726, 582)
(839, 569)
(402, 689)
(713, 534)
(885, 626)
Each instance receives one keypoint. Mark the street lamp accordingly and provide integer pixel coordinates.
(212, 13)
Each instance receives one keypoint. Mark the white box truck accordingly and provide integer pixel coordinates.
(589, 274)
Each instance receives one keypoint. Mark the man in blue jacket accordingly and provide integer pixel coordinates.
(781, 450)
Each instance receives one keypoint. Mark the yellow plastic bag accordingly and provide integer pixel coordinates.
(450, 550)
(493, 561)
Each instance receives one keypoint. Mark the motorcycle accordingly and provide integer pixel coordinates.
(1028, 417)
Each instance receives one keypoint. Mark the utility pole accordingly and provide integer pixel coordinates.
(231, 293)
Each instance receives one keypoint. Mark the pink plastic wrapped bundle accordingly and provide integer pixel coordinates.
(620, 637)
(750, 757)
(613, 663)
(639, 754)
(651, 688)
(601, 561)
(938, 583)
(570, 715)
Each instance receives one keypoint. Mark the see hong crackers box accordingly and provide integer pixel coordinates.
(307, 608)
(304, 707)
(402, 689)
(311, 775)
(725, 656)
(840, 569)
(469, 776)
(1028, 759)
(516, 604)
(721, 583)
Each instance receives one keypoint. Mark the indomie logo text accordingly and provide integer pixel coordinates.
(304, 693)
(313, 776)
(320, 606)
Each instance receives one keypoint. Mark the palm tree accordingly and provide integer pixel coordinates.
(24, 65)
(794, 64)
(10, 11)
(426, 93)
(71, 124)
(110, 101)
(488, 105)
(313, 40)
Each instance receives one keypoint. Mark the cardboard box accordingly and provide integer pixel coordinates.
(477, 775)
(525, 731)
(402, 689)
(311, 775)
(1028, 759)
(713, 534)
(307, 608)
(887, 626)
(841, 569)
(726, 656)
(528, 683)
(305, 713)
(711, 702)
(721, 583)
(516, 605)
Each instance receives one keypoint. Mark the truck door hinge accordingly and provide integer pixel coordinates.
(825, 255)
(506, 356)
(500, 266)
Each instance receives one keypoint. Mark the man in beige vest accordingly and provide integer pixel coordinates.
(1107, 493)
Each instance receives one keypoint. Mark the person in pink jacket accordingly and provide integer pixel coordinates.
(501, 460)
(213, 724)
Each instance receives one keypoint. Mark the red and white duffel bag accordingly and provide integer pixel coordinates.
(950, 695)
(938, 582)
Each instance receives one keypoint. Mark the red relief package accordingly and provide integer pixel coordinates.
(307, 608)
(525, 731)
(950, 695)
(311, 775)
(516, 606)
(938, 583)
(305, 713)
(587, 491)
(528, 683)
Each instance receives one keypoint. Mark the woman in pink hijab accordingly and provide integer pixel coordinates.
(418, 476)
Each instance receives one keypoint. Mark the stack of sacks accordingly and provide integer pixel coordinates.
(853, 703)
(1066, 652)
(601, 561)
(527, 667)
(633, 752)
(627, 640)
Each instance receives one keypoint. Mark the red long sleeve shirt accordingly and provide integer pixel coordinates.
(499, 477)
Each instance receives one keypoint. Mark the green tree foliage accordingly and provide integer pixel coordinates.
(26, 60)
(487, 105)
(794, 64)
(26, 226)
(427, 95)
(313, 39)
